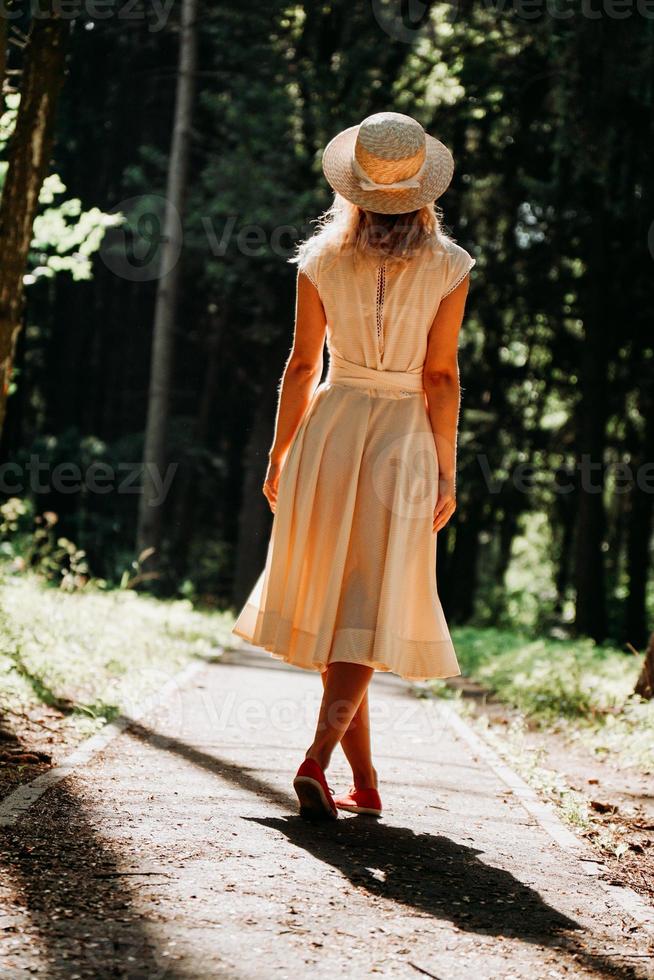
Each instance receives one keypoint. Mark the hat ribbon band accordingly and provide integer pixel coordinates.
(366, 183)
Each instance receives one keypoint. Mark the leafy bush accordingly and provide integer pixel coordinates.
(32, 542)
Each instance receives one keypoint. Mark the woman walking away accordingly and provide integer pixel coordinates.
(361, 472)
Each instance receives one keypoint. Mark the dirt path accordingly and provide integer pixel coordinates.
(177, 853)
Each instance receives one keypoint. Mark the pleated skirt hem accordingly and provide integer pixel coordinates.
(381, 649)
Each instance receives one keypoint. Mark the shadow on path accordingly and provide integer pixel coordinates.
(88, 916)
(78, 900)
(431, 874)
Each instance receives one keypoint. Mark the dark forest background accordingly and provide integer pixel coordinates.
(551, 122)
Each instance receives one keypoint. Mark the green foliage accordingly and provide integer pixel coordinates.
(7, 124)
(33, 543)
(526, 598)
(548, 678)
(54, 515)
(65, 237)
(12, 518)
(580, 687)
(209, 563)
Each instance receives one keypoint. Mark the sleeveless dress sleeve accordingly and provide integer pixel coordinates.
(310, 266)
(459, 265)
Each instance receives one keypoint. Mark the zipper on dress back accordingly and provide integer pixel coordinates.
(379, 307)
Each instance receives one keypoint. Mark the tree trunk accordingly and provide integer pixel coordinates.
(155, 459)
(645, 683)
(590, 617)
(638, 544)
(564, 525)
(28, 158)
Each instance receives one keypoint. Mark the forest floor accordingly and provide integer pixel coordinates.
(177, 852)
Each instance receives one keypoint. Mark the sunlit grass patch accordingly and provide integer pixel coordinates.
(93, 654)
(582, 689)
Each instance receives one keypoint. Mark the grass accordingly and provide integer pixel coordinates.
(579, 688)
(93, 654)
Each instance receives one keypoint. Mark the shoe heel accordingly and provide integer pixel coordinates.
(313, 805)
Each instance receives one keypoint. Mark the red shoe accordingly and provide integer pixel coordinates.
(360, 801)
(316, 800)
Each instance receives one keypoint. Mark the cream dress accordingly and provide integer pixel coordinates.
(350, 573)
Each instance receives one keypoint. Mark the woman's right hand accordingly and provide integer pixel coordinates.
(271, 483)
(446, 503)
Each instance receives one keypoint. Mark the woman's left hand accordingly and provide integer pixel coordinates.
(271, 484)
(446, 503)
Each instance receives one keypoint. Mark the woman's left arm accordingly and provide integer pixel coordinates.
(301, 374)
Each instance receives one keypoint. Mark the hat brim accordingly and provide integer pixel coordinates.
(434, 180)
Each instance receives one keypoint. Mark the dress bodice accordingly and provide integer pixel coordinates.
(379, 315)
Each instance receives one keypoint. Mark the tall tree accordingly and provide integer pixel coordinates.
(28, 159)
(155, 456)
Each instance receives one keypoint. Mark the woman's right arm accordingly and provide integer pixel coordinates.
(443, 391)
(301, 376)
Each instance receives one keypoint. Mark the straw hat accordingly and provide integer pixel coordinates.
(388, 164)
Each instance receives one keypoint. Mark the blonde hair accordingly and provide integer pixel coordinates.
(396, 238)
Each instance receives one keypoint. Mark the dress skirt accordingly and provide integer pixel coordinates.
(350, 572)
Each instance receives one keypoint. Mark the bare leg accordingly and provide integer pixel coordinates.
(344, 688)
(357, 746)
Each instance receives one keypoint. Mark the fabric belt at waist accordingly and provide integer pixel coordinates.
(342, 371)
